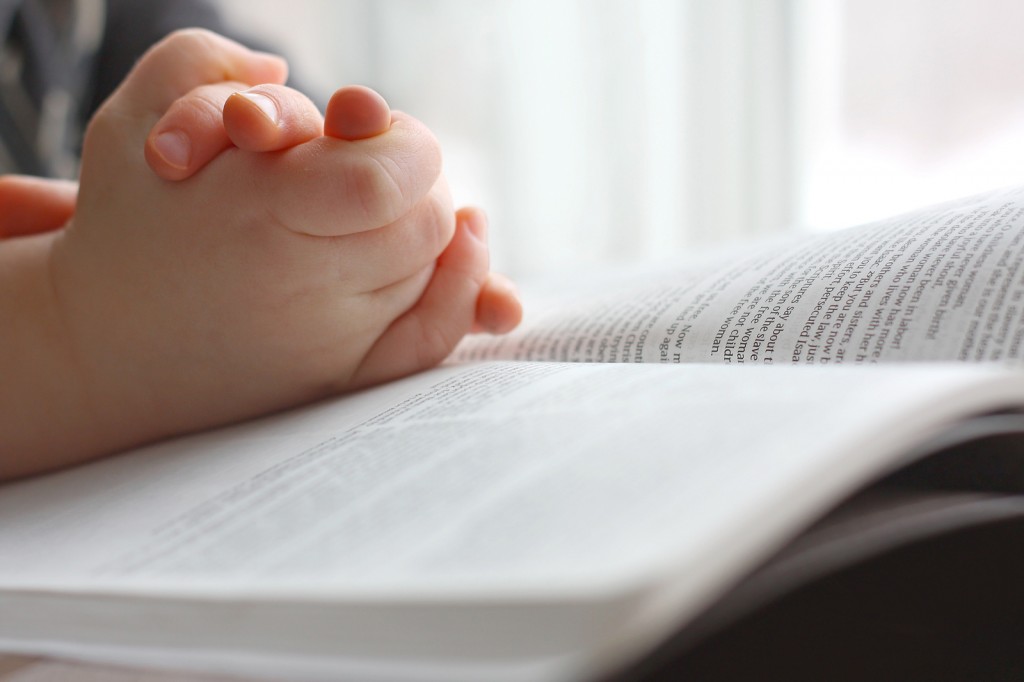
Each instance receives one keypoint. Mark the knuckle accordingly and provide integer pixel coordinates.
(201, 106)
(378, 193)
(436, 341)
(191, 46)
(386, 188)
(103, 130)
(440, 222)
(187, 40)
(424, 148)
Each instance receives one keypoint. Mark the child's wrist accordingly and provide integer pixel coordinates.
(44, 404)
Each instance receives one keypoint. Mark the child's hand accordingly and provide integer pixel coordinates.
(270, 117)
(268, 280)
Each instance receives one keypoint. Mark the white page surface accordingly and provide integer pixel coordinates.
(494, 477)
(506, 521)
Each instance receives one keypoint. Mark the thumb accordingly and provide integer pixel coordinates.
(356, 112)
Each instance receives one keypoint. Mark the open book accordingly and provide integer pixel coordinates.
(544, 507)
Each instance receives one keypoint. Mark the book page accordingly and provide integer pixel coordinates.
(943, 283)
(37, 670)
(558, 516)
(503, 474)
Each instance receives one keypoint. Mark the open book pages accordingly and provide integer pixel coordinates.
(944, 283)
(512, 521)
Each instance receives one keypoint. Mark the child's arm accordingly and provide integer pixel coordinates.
(266, 281)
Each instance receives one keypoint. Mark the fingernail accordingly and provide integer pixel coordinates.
(265, 104)
(175, 147)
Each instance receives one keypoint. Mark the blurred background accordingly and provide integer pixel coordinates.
(598, 132)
